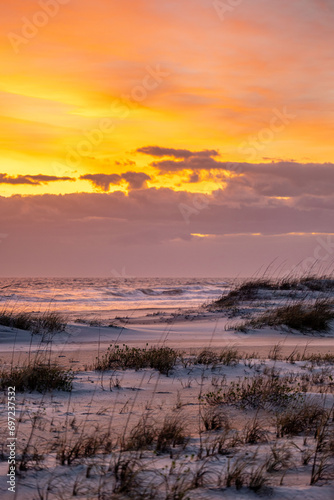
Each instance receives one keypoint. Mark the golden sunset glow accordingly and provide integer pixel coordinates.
(174, 82)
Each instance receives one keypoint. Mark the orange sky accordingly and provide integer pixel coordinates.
(221, 81)
(170, 137)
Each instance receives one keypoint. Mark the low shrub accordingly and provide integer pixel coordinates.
(261, 391)
(207, 357)
(162, 359)
(22, 321)
(37, 376)
(228, 356)
(318, 359)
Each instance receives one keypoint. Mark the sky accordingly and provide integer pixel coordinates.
(166, 138)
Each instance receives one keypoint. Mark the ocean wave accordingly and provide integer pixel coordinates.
(175, 291)
(85, 294)
(148, 291)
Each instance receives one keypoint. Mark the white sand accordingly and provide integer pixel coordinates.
(95, 401)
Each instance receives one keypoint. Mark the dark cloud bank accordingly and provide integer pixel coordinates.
(154, 231)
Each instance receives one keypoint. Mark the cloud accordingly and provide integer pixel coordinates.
(284, 179)
(195, 162)
(275, 179)
(102, 181)
(176, 153)
(126, 163)
(221, 90)
(146, 232)
(135, 180)
(193, 178)
(161, 211)
(36, 180)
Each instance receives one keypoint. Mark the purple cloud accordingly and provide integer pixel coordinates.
(35, 180)
(176, 153)
(135, 180)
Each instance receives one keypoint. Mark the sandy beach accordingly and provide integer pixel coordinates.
(213, 429)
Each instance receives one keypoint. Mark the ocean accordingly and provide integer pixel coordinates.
(84, 297)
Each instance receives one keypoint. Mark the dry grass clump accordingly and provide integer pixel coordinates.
(322, 463)
(207, 357)
(22, 321)
(142, 435)
(236, 473)
(37, 376)
(228, 356)
(214, 418)
(83, 446)
(298, 316)
(171, 433)
(318, 284)
(261, 391)
(126, 480)
(254, 432)
(302, 417)
(280, 457)
(318, 358)
(242, 293)
(249, 290)
(48, 322)
(239, 475)
(148, 434)
(162, 359)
